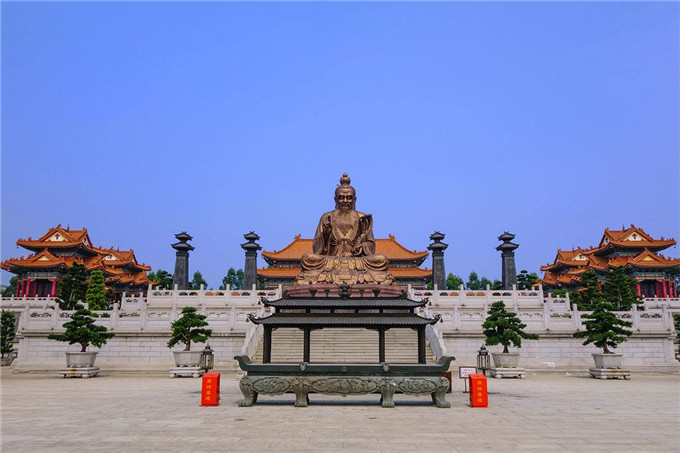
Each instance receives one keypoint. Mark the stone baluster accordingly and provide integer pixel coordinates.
(232, 316)
(515, 295)
(547, 311)
(114, 316)
(435, 297)
(576, 317)
(201, 299)
(175, 298)
(54, 318)
(667, 318)
(489, 295)
(143, 319)
(456, 317)
(463, 297)
(636, 317)
(484, 312)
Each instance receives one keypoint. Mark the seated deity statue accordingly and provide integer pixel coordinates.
(344, 246)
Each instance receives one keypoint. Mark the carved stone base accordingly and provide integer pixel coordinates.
(82, 372)
(302, 386)
(186, 371)
(500, 373)
(609, 373)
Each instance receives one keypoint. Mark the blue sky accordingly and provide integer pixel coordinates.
(140, 120)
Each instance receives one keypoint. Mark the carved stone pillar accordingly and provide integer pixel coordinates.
(181, 275)
(507, 250)
(250, 268)
(437, 248)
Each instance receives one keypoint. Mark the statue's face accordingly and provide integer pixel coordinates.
(345, 199)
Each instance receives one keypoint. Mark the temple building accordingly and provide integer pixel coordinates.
(404, 264)
(60, 248)
(631, 248)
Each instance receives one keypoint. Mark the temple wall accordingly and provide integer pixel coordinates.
(142, 328)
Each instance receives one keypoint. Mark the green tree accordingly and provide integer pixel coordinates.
(504, 327)
(560, 292)
(96, 292)
(603, 328)
(618, 289)
(473, 281)
(81, 329)
(234, 279)
(7, 332)
(484, 282)
(11, 290)
(188, 328)
(197, 281)
(526, 280)
(72, 287)
(453, 281)
(161, 278)
(497, 285)
(590, 293)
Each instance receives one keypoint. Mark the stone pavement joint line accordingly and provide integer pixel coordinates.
(543, 413)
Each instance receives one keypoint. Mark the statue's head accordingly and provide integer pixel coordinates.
(345, 195)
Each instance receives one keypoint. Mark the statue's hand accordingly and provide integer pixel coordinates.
(326, 224)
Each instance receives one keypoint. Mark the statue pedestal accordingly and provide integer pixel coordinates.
(327, 290)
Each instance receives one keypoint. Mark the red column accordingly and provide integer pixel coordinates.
(638, 289)
(663, 285)
(54, 287)
(27, 284)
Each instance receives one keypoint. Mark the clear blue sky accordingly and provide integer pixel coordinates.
(140, 120)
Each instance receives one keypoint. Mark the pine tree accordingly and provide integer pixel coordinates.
(189, 328)
(161, 278)
(590, 293)
(197, 281)
(11, 289)
(453, 281)
(618, 289)
(603, 328)
(96, 292)
(504, 327)
(81, 329)
(526, 280)
(7, 332)
(72, 287)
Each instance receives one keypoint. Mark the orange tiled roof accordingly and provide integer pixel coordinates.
(66, 238)
(633, 237)
(389, 247)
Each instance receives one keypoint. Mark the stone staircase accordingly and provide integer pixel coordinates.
(344, 346)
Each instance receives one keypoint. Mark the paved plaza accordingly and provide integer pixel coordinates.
(543, 413)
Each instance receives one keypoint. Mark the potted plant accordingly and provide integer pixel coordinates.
(603, 328)
(504, 327)
(7, 333)
(81, 329)
(187, 329)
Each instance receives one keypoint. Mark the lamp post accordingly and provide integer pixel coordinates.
(207, 358)
(483, 360)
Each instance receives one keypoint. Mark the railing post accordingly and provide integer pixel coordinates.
(175, 297)
(456, 317)
(489, 296)
(515, 295)
(547, 311)
(435, 299)
(636, 317)
(463, 297)
(143, 317)
(576, 317)
(201, 299)
(232, 316)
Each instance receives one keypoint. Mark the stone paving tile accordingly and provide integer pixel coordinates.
(543, 413)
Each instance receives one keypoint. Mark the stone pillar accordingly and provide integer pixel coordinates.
(507, 250)
(437, 248)
(250, 268)
(54, 288)
(180, 278)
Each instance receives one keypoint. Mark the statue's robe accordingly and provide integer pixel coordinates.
(344, 253)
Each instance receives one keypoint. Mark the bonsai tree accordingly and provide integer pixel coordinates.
(7, 332)
(72, 287)
(504, 327)
(603, 328)
(96, 292)
(590, 293)
(81, 329)
(188, 328)
(618, 289)
(526, 280)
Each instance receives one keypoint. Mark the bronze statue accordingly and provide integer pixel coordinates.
(344, 246)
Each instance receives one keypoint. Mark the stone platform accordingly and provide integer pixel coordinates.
(500, 373)
(83, 372)
(609, 373)
(186, 371)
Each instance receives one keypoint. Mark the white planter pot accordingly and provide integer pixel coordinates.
(187, 358)
(607, 360)
(505, 360)
(80, 359)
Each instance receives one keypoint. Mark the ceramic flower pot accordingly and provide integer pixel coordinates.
(607, 360)
(505, 360)
(80, 359)
(187, 358)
